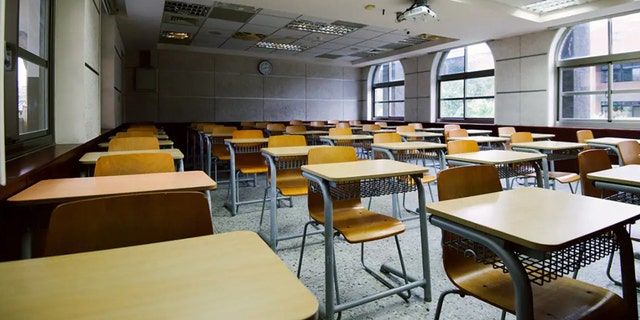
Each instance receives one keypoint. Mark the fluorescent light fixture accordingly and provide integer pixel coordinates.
(320, 27)
(175, 35)
(280, 46)
(546, 6)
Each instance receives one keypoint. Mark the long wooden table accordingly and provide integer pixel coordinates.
(224, 276)
(531, 221)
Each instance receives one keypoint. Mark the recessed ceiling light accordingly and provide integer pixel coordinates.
(280, 46)
(175, 35)
(546, 6)
(320, 27)
(370, 7)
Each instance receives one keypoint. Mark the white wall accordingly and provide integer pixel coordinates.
(77, 71)
(112, 51)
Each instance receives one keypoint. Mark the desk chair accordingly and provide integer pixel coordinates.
(350, 219)
(408, 128)
(134, 163)
(382, 124)
(584, 135)
(275, 128)
(395, 137)
(295, 122)
(355, 122)
(343, 125)
(416, 125)
(629, 151)
(447, 128)
(563, 298)
(370, 127)
(219, 151)
(127, 220)
(289, 181)
(143, 128)
(462, 146)
(247, 125)
(506, 131)
(316, 124)
(455, 133)
(135, 133)
(295, 128)
(261, 125)
(593, 160)
(252, 163)
(555, 176)
(134, 143)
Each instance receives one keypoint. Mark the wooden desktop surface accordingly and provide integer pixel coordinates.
(607, 141)
(363, 169)
(68, 189)
(162, 143)
(92, 157)
(481, 139)
(422, 134)
(627, 175)
(535, 136)
(494, 157)
(231, 275)
(251, 140)
(290, 151)
(549, 145)
(413, 145)
(309, 132)
(348, 137)
(536, 218)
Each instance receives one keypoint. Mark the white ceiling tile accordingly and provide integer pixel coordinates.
(365, 34)
(222, 24)
(252, 28)
(271, 21)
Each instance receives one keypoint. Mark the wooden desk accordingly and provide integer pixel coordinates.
(609, 143)
(515, 225)
(555, 150)
(440, 129)
(421, 135)
(478, 132)
(311, 135)
(90, 158)
(504, 160)
(623, 178)
(239, 146)
(362, 142)
(483, 139)
(391, 149)
(224, 276)
(162, 143)
(379, 131)
(368, 172)
(291, 157)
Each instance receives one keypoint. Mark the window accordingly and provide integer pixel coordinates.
(466, 90)
(28, 124)
(388, 91)
(599, 70)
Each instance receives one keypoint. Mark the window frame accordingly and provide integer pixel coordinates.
(17, 144)
(610, 59)
(385, 85)
(464, 76)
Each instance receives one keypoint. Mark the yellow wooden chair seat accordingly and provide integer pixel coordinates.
(291, 183)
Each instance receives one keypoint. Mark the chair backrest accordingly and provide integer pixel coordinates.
(584, 135)
(466, 181)
(127, 220)
(222, 129)
(209, 127)
(382, 124)
(355, 122)
(315, 202)
(261, 125)
(386, 137)
(343, 125)
(629, 152)
(416, 125)
(295, 122)
(521, 137)
(287, 141)
(590, 161)
(406, 129)
(134, 133)
(458, 133)
(200, 126)
(247, 134)
(276, 127)
(462, 146)
(143, 128)
(370, 127)
(317, 123)
(134, 163)
(506, 131)
(340, 131)
(296, 128)
(449, 127)
(134, 143)
(247, 124)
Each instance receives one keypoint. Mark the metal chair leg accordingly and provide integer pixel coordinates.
(382, 280)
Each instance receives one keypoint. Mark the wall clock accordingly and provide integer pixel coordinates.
(265, 67)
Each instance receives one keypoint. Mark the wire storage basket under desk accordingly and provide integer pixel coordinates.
(541, 267)
(368, 187)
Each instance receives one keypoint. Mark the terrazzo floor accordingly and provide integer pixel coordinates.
(354, 282)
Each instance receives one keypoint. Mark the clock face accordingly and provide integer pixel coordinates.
(265, 67)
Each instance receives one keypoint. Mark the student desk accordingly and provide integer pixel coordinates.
(483, 139)
(535, 136)
(159, 136)
(287, 158)
(410, 151)
(506, 162)
(440, 129)
(163, 144)
(542, 234)
(373, 132)
(608, 143)
(422, 135)
(311, 135)
(478, 132)
(240, 146)
(336, 180)
(90, 158)
(622, 179)
(555, 150)
(230, 275)
(56, 191)
(358, 141)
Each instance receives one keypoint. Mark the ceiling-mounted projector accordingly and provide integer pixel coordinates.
(419, 10)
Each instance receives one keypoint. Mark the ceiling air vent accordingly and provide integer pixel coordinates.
(232, 12)
(183, 8)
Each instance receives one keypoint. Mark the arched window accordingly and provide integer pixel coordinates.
(466, 89)
(388, 91)
(599, 70)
